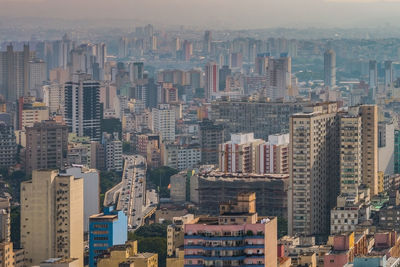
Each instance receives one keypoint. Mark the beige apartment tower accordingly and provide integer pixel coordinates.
(369, 117)
(52, 217)
(314, 169)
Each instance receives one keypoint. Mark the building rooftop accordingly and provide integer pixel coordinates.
(101, 216)
(59, 260)
(231, 176)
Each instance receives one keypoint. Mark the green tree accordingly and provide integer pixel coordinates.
(15, 218)
(152, 238)
(111, 126)
(282, 227)
(126, 147)
(160, 177)
(107, 181)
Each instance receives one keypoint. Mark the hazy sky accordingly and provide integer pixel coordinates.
(217, 13)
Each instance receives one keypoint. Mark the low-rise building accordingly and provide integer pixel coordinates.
(127, 254)
(60, 262)
(106, 230)
(180, 157)
(175, 234)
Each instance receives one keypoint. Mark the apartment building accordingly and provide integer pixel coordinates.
(236, 237)
(52, 217)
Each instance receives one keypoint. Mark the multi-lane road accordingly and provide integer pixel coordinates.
(130, 195)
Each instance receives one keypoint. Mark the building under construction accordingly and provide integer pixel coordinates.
(208, 189)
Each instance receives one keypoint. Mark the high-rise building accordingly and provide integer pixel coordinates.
(153, 43)
(369, 117)
(208, 188)
(54, 98)
(8, 146)
(211, 136)
(262, 63)
(314, 169)
(30, 111)
(52, 217)
(101, 54)
(148, 30)
(373, 78)
(239, 154)
(46, 146)
(212, 79)
(187, 50)
(330, 68)
(5, 222)
(164, 122)
(113, 152)
(238, 220)
(91, 191)
(386, 147)
(236, 60)
(262, 118)
(351, 155)
(37, 72)
(123, 47)
(224, 72)
(207, 42)
(180, 157)
(82, 106)
(397, 151)
(14, 74)
(279, 78)
(136, 71)
(106, 229)
(273, 156)
(353, 202)
(388, 77)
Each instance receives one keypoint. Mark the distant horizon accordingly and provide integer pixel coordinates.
(221, 14)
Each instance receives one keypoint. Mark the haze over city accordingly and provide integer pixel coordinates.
(188, 133)
(221, 14)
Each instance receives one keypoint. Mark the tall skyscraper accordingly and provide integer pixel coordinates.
(14, 74)
(388, 77)
(46, 146)
(350, 209)
(261, 63)
(330, 68)
(37, 72)
(369, 117)
(101, 54)
(123, 47)
(211, 136)
(8, 146)
(279, 78)
(136, 71)
(314, 169)
(373, 77)
(82, 106)
(52, 217)
(207, 42)
(224, 72)
(212, 79)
